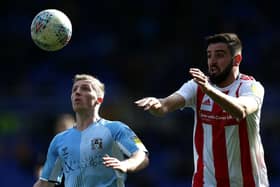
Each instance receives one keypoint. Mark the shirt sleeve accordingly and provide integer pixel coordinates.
(52, 170)
(126, 139)
(188, 92)
(253, 89)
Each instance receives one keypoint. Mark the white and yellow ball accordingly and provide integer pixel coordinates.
(51, 30)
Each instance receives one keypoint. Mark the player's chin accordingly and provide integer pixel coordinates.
(213, 73)
(77, 108)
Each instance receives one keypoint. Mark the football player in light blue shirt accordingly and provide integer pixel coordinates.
(96, 152)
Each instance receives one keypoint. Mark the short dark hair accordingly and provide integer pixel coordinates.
(231, 39)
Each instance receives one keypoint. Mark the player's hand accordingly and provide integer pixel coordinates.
(149, 103)
(114, 163)
(200, 78)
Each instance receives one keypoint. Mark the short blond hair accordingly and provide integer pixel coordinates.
(94, 80)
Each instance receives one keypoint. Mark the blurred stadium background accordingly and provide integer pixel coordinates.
(137, 48)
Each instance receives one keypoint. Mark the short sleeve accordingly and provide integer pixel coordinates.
(52, 170)
(126, 138)
(252, 89)
(188, 92)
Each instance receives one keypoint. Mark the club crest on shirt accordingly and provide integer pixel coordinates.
(96, 143)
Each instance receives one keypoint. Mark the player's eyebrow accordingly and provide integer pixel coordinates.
(81, 85)
(217, 51)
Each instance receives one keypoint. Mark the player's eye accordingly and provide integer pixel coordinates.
(85, 88)
(74, 89)
(220, 55)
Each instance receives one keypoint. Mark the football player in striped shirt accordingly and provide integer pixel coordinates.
(228, 151)
(96, 152)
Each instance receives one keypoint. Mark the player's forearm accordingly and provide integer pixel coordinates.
(137, 162)
(169, 104)
(161, 111)
(228, 103)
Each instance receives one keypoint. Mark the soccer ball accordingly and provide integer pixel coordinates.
(51, 30)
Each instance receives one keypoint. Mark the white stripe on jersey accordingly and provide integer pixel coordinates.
(208, 173)
(233, 155)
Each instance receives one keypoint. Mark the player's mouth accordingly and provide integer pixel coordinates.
(213, 70)
(77, 100)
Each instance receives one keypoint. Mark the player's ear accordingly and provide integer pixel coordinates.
(237, 59)
(99, 100)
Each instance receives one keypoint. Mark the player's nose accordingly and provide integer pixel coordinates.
(77, 92)
(212, 61)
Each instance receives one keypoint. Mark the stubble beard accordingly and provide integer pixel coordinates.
(219, 78)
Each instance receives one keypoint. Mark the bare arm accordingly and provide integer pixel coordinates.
(41, 183)
(160, 107)
(238, 107)
(138, 161)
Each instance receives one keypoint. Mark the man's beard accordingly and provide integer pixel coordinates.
(217, 79)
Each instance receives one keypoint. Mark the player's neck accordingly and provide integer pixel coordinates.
(84, 121)
(229, 80)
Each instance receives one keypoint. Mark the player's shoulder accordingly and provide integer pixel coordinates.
(63, 134)
(249, 83)
(115, 127)
(191, 82)
(247, 78)
(190, 85)
(111, 123)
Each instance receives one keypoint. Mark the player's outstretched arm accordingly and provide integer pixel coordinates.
(41, 183)
(160, 107)
(138, 161)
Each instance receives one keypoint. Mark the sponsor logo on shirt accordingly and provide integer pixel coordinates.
(65, 152)
(207, 103)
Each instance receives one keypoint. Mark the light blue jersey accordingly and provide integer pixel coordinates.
(78, 154)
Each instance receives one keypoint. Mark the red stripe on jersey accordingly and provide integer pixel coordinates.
(246, 164)
(198, 141)
(237, 90)
(220, 156)
(219, 149)
(246, 77)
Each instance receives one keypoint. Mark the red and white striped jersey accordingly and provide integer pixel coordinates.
(227, 152)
